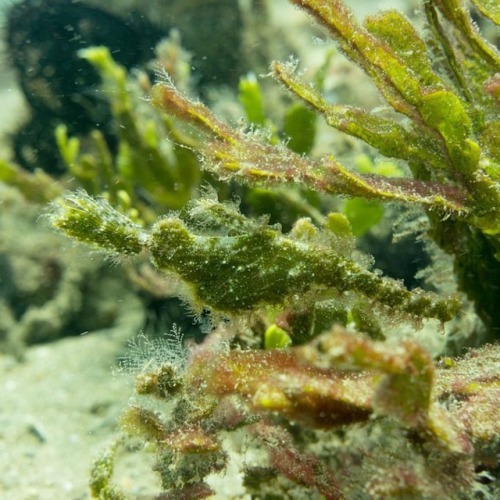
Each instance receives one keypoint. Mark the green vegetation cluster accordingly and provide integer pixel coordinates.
(301, 356)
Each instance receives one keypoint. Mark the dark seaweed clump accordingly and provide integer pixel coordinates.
(43, 38)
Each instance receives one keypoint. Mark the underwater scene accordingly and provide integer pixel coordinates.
(249, 249)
